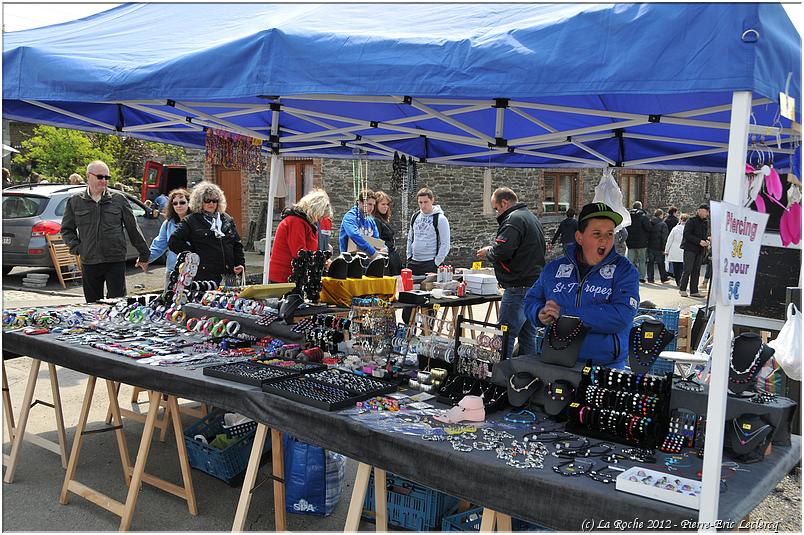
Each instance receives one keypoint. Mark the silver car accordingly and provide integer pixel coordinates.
(32, 211)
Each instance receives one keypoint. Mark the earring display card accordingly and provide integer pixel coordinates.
(320, 395)
(250, 373)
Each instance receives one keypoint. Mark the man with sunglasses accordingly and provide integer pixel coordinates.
(92, 227)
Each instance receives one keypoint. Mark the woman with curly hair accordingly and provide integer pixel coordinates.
(211, 233)
(178, 207)
(297, 231)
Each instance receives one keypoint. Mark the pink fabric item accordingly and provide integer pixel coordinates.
(749, 169)
(760, 203)
(790, 225)
(774, 184)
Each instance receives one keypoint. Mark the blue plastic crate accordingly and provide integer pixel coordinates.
(225, 464)
(470, 520)
(668, 316)
(410, 505)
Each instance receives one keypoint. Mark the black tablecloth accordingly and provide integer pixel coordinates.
(540, 496)
(466, 300)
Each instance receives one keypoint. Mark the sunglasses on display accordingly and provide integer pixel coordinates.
(177, 203)
(101, 177)
(211, 201)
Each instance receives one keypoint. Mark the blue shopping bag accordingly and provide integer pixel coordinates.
(313, 478)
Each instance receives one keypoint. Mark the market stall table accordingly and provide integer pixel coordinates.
(433, 464)
(455, 306)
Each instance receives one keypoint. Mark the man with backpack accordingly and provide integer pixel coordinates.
(428, 237)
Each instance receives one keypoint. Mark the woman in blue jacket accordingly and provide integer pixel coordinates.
(592, 282)
(178, 206)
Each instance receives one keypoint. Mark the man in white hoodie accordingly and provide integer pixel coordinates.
(428, 237)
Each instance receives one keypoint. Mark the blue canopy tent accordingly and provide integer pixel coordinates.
(668, 86)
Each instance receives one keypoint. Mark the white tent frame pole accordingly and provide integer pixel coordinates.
(678, 156)
(724, 315)
(159, 127)
(499, 123)
(225, 125)
(164, 114)
(71, 114)
(577, 143)
(435, 114)
(276, 173)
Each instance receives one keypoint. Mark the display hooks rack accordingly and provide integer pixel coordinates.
(476, 356)
(619, 397)
(432, 345)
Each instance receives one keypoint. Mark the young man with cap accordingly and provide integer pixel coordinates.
(695, 243)
(591, 282)
(518, 258)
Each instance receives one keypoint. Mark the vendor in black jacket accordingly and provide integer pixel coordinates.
(518, 258)
(695, 244)
(638, 234)
(211, 234)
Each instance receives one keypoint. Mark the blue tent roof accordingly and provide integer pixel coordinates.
(477, 84)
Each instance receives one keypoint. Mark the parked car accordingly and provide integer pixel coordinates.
(32, 211)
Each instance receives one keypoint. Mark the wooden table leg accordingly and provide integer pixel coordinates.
(117, 418)
(72, 463)
(251, 476)
(184, 462)
(60, 431)
(488, 521)
(358, 496)
(19, 430)
(7, 407)
(142, 458)
(503, 522)
(380, 501)
(278, 466)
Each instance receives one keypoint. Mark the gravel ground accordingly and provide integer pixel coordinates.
(782, 505)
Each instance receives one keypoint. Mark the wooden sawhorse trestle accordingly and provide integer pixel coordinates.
(491, 519)
(17, 432)
(133, 476)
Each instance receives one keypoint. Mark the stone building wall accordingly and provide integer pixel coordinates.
(460, 192)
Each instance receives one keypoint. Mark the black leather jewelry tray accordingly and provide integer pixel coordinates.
(255, 374)
(387, 385)
(300, 366)
(276, 388)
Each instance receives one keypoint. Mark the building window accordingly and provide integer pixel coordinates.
(298, 182)
(633, 188)
(559, 192)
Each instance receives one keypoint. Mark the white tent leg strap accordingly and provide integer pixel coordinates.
(724, 314)
(277, 173)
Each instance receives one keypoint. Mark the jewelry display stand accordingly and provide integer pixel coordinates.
(474, 361)
(645, 342)
(621, 406)
(748, 355)
(562, 341)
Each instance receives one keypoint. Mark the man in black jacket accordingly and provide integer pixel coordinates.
(92, 227)
(656, 242)
(695, 244)
(518, 258)
(637, 240)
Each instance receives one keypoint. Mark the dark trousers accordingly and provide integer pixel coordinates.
(692, 271)
(656, 256)
(111, 273)
(418, 268)
(678, 270)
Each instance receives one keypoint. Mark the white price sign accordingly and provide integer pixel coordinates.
(736, 241)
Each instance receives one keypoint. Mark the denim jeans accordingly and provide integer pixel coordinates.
(512, 313)
(638, 257)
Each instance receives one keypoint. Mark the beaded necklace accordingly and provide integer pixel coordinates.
(647, 356)
(749, 371)
(552, 335)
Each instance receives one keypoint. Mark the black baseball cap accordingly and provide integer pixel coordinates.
(704, 206)
(600, 209)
